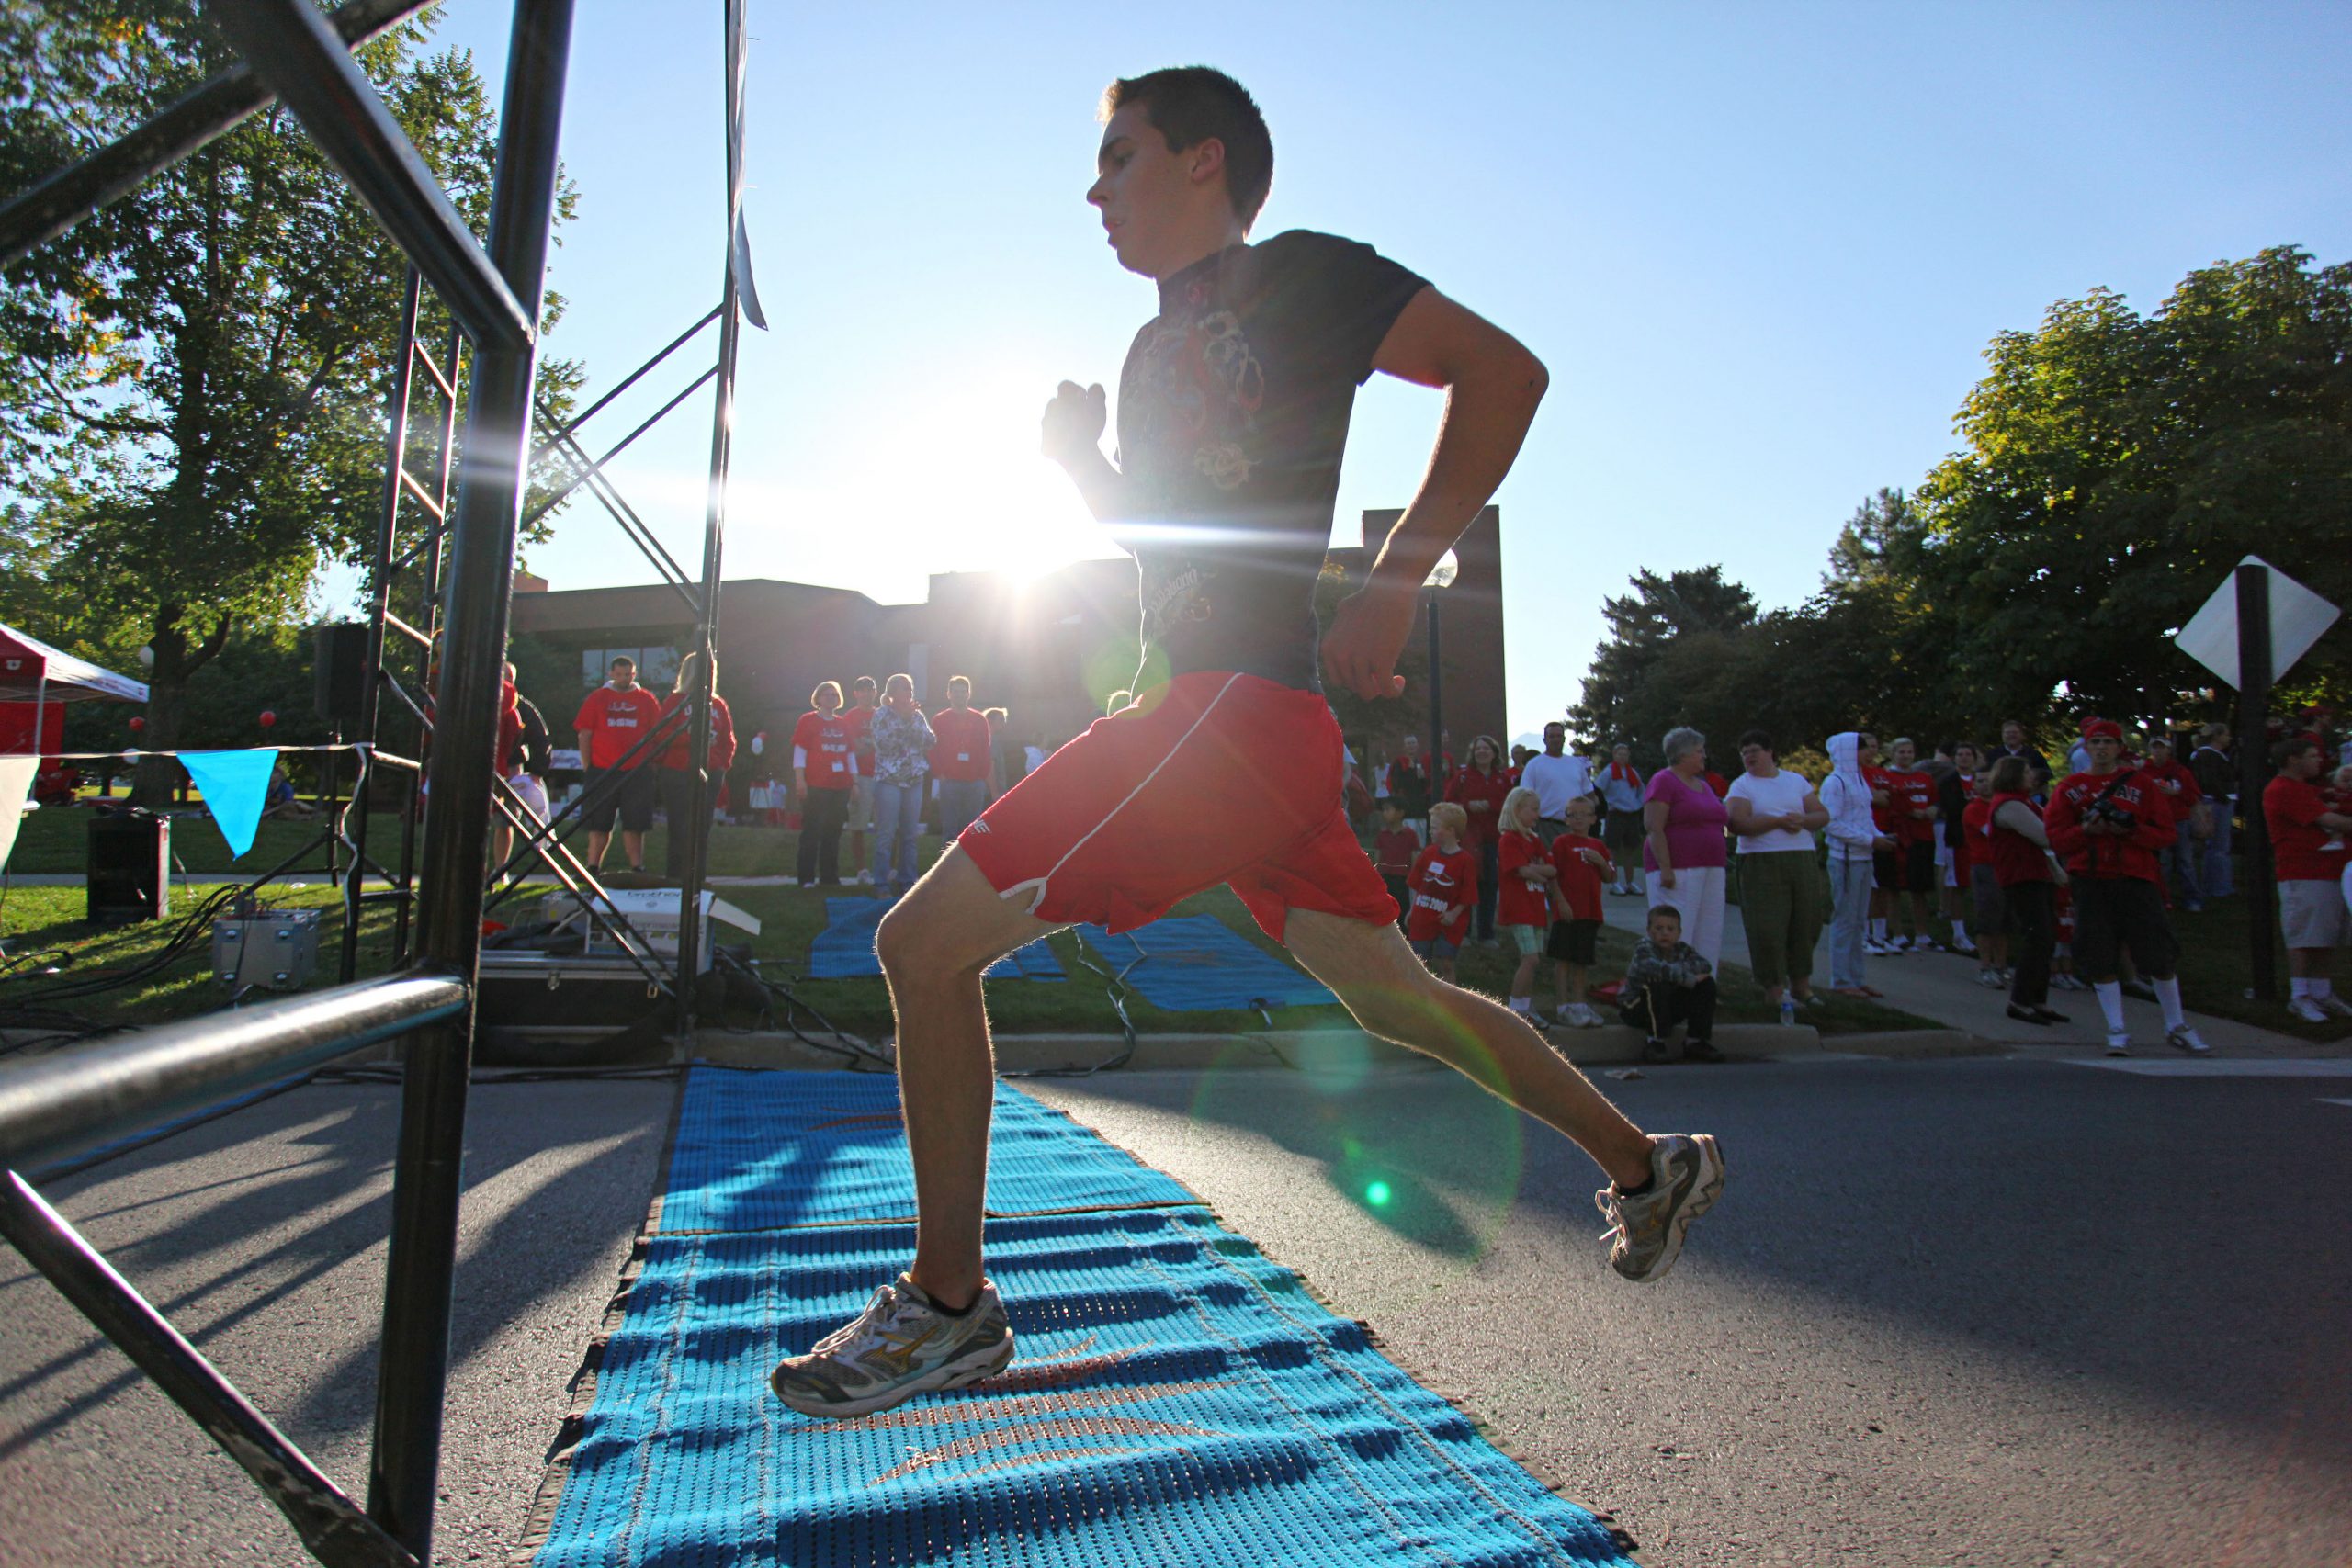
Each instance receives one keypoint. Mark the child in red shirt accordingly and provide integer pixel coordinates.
(1524, 913)
(1581, 862)
(1444, 887)
(1393, 851)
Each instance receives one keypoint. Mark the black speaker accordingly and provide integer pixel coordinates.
(339, 665)
(129, 867)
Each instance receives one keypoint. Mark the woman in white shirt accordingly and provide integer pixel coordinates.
(1773, 813)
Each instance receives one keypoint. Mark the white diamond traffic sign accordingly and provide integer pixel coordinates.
(2297, 617)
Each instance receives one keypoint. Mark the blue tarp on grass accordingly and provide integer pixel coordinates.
(1198, 963)
(845, 949)
(1178, 1399)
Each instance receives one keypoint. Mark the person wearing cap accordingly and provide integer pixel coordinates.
(2109, 822)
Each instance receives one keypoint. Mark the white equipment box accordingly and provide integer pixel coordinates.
(652, 913)
(277, 949)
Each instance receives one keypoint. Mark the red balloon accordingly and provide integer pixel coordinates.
(137, 724)
(267, 718)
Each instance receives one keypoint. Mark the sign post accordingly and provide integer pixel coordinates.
(2250, 633)
(2254, 770)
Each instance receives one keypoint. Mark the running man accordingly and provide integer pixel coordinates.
(1233, 410)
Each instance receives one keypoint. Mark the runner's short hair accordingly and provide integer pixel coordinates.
(1448, 814)
(1191, 104)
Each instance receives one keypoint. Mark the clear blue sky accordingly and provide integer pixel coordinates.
(1761, 247)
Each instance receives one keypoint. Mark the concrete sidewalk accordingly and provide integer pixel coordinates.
(1942, 985)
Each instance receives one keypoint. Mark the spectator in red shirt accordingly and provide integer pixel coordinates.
(1444, 884)
(1885, 863)
(1393, 851)
(2108, 823)
(824, 766)
(961, 764)
(684, 790)
(1479, 789)
(1523, 914)
(1909, 867)
(614, 718)
(1581, 861)
(863, 695)
(2307, 846)
(2190, 810)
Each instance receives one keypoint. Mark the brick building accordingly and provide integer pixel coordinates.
(1048, 649)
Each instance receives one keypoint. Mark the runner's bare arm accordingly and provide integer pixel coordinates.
(1492, 386)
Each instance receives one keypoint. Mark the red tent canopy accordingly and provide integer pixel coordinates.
(31, 670)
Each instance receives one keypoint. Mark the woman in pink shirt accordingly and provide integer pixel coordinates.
(1683, 853)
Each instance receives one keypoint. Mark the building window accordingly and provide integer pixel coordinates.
(656, 666)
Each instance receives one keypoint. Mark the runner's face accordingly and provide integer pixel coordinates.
(1144, 193)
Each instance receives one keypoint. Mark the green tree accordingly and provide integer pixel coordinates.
(2119, 466)
(1669, 641)
(192, 381)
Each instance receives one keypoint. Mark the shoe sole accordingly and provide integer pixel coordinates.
(976, 1367)
(1704, 1193)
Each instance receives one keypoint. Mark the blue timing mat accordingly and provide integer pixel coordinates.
(1178, 1399)
(1198, 963)
(757, 1151)
(845, 949)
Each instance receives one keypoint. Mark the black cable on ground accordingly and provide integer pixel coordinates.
(855, 1051)
(1118, 993)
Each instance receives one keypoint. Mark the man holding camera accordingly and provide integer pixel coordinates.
(2109, 822)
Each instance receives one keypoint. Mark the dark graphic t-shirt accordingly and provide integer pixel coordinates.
(1233, 412)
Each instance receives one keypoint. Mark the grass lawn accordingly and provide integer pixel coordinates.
(2216, 964)
(37, 921)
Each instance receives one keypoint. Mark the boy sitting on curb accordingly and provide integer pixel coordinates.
(1670, 982)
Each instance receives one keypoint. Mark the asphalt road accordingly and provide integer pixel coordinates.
(1949, 1313)
(1954, 1312)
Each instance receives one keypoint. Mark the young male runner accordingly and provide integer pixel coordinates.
(1233, 410)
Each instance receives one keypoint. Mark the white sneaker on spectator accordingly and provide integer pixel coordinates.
(2335, 1005)
(1990, 978)
(1876, 948)
(2187, 1039)
(2307, 1008)
(1929, 944)
(865, 879)
(1960, 943)
(2119, 1042)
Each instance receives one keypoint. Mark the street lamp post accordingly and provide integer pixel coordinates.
(1440, 576)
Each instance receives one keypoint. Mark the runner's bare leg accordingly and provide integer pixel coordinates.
(1373, 972)
(934, 945)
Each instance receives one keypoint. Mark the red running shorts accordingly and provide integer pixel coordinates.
(1213, 777)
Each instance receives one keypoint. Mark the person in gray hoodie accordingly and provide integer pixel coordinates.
(1853, 839)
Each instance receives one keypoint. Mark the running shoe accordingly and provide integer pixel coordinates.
(1588, 1016)
(2308, 1010)
(2119, 1042)
(2187, 1039)
(1646, 1228)
(1876, 948)
(1927, 944)
(1990, 978)
(2333, 1005)
(865, 879)
(900, 1345)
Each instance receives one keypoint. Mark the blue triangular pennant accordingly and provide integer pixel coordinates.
(236, 787)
